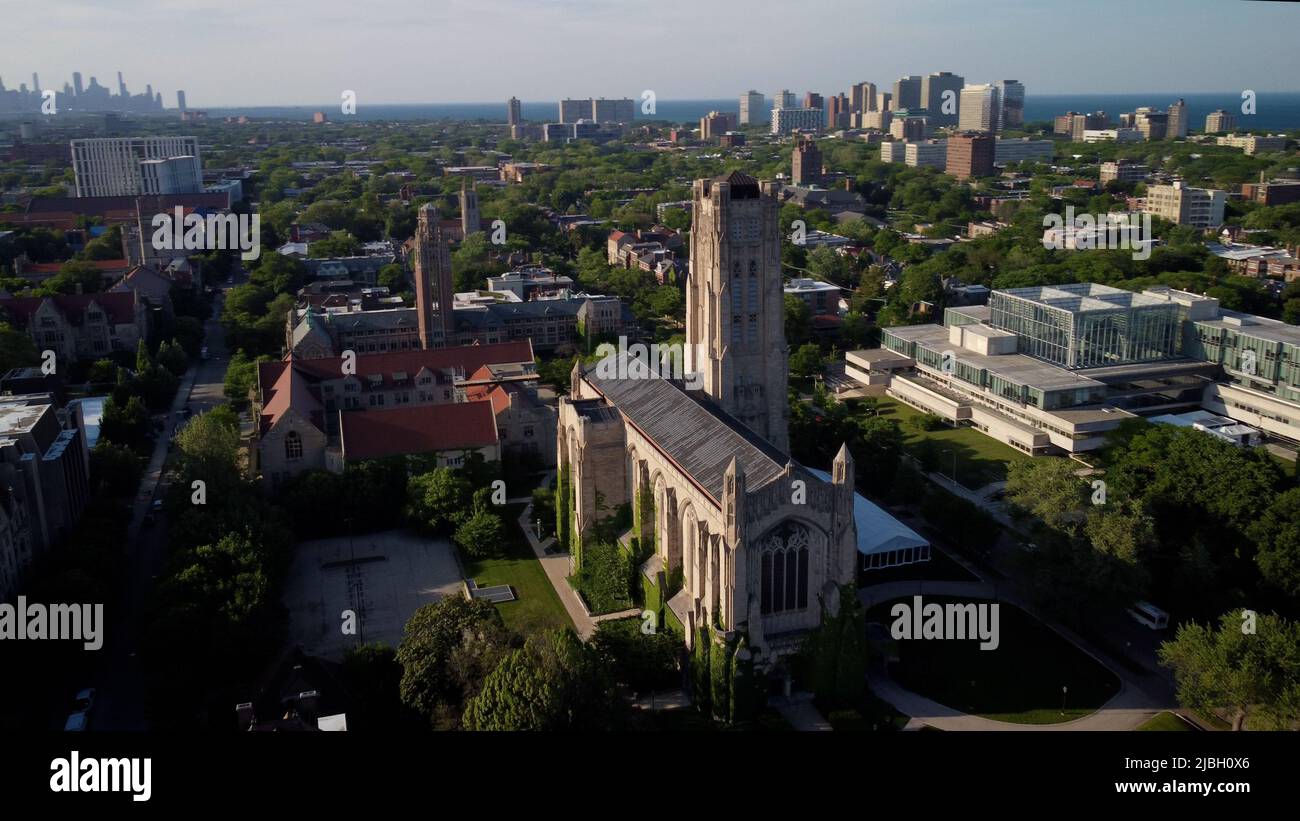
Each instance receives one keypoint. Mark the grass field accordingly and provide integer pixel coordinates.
(1165, 722)
(1019, 682)
(980, 459)
(536, 607)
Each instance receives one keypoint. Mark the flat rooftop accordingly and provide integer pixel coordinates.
(1255, 326)
(1018, 368)
(1081, 297)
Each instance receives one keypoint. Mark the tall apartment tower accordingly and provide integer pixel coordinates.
(907, 92)
(1218, 122)
(573, 110)
(514, 112)
(1176, 125)
(126, 166)
(469, 220)
(812, 99)
(783, 99)
(735, 326)
(941, 107)
(433, 279)
(981, 108)
(180, 100)
(76, 83)
(970, 155)
(1012, 94)
(806, 162)
(751, 108)
(862, 98)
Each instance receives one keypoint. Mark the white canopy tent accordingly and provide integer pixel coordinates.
(883, 541)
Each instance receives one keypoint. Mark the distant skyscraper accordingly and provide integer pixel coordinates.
(432, 270)
(813, 100)
(1177, 123)
(36, 83)
(862, 97)
(76, 83)
(752, 111)
(513, 112)
(942, 107)
(1012, 93)
(1219, 121)
(121, 85)
(783, 99)
(611, 111)
(806, 162)
(714, 124)
(573, 110)
(786, 120)
(907, 92)
(980, 108)
(180, 100)
(838, 112)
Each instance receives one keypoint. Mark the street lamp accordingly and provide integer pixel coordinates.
(1064, 689)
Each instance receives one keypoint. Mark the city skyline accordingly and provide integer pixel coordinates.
(562, 42)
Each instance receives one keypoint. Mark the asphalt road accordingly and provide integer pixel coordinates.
(120, 681)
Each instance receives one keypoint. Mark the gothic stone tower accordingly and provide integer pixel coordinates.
(433, 279)
(735, 317)
(469, 221)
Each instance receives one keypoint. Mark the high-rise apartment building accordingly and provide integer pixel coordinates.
(573, 110)
(862, 97)
(126, 166)
(788, 120)
(970, 155)
(1154, 125)
(806, 162)
(907, 92)
(1123, 170)
(783, 99)
(433, 280)
(1012, 95)
(612, 111)
(812, 99)
(941, 97)
(734, 315)
(752, 111)
(716, 123)
(838, 112)
(1185, 205)
(980, 108)
(1177, 120)
(905, 125)
(514, 115)
(1218, 122)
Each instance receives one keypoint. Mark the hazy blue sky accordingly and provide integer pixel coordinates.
(279, 52)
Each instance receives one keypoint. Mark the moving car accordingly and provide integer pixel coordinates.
(80, 717)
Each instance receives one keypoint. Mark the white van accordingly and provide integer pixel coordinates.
(1148, 614)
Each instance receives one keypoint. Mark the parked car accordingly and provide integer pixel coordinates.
(203, 353)
(79, 719)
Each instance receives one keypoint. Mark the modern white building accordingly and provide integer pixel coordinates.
(916, 154)
(1253, 144)
(786, 120)
(1112, 135)
(751, 108)
(1185, 205)
(126, 166)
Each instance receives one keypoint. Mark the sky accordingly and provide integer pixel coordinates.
(306, 52)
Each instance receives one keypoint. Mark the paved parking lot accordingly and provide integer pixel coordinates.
(393, 574)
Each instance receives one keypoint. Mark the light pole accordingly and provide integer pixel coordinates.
(1064, 690)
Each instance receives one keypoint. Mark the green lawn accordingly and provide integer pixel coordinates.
(536, 607)
(980, 459)
(1165, 722)
(1019, 682)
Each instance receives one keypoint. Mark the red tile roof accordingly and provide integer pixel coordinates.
(465, 358)
(120, 306)
(290, 390)
(374, 434)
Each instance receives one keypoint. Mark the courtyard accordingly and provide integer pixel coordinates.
(383, 577)
(980, 459)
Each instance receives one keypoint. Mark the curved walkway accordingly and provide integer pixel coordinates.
(1126, 710)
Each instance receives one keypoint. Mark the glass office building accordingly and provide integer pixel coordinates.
(1085, 325)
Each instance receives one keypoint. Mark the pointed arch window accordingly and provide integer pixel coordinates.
(784, 563)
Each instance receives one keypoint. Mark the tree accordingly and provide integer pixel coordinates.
(1254, 674)
(798, 321)
(76, 277)
(432, 634)
(1049, 489)
(806, 361)
(102, 372)
(438, 500)
(209, 449)
(481, 534)
(173, 357)
(125, 424)
(16, 349)
(114, 470)
(555, 682)
(1277, 537)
